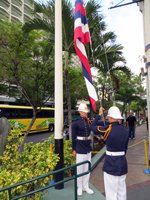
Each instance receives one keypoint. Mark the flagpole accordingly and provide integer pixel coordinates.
(146, 18)
(145, 9)
(58, 92)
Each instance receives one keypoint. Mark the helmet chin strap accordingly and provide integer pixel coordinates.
(83, 114)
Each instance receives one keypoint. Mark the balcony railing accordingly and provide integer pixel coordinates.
(4, 4)
(16, 11)
(28, 3)
(3, 13)
(17, 3)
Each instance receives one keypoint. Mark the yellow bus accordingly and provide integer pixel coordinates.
(20, 117)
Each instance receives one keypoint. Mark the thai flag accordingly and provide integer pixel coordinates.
(81, 38)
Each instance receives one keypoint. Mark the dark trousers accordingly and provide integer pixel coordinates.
(131, 132)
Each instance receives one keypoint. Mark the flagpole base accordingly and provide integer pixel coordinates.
(59, 150)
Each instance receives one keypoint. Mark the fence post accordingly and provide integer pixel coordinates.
(51, 152)
(75, 181)
(147, 170)
(9, 193)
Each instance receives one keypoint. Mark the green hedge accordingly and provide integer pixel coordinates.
(35, 160)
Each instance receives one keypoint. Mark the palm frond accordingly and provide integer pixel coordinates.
(124, 69)
(38, 24)
(68, 26)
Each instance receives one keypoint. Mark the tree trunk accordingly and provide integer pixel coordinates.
(21, 146)
(68, 97)
(4, 131)
(103, 94)
(123, 108)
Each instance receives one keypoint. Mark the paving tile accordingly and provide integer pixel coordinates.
(138, 183)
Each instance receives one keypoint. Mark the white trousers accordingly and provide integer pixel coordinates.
(83, 181)
(115, 187)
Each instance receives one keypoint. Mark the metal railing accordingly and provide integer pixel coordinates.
(66, 179)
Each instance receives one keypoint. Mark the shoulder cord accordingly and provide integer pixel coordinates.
(106, 132)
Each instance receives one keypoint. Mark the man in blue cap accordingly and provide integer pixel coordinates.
(131, 123)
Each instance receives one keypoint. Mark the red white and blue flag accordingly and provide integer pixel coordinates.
(81, 38)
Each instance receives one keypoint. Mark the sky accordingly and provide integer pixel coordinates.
(127, 23)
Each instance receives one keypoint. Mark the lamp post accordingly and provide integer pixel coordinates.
(145, 8)
(58, 92)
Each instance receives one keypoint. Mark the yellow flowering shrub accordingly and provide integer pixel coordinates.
(17, 167)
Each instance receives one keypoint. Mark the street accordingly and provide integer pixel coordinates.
(38, 137)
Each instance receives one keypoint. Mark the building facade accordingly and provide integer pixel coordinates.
(17, 10)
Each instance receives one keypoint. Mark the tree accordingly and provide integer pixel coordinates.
(105, 54)
(47, 24)
(77, 85)
(130, 91)
(25, 64)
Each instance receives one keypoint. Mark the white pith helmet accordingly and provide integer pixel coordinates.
(83, 108)
(114, 112)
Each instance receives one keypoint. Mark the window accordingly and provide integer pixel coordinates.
(45, 114)
(9, 113)
(24, 113)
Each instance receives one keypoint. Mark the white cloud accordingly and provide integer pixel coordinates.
(127, 23)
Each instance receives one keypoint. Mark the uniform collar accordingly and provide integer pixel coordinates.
(114, 123)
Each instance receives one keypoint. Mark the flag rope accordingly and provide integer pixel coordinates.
(81, 38)
(108, 68)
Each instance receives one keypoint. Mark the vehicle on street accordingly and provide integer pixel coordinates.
(20, 117)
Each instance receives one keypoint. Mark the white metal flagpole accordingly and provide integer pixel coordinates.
(58, 91)
(146, 17)
(145, 8)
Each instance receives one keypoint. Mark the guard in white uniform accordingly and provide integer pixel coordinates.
(115, 136)
(81, 145)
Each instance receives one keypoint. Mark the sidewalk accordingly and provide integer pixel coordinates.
(68, 191)
(138, 183)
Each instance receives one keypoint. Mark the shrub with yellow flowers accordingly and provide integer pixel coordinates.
(17, 166)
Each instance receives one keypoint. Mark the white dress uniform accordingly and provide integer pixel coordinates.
(81, 143)
(115, 165)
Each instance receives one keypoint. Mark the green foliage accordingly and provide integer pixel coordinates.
(134, 106)
(34, 161)
(77, 86)
(131, 93)
(25, 64)
(138, 105)
(16, 167)
(68, 156)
